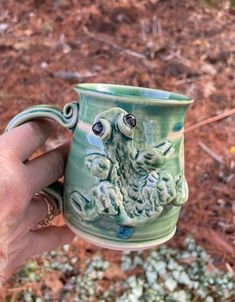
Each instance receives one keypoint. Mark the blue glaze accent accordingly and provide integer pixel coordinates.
(73, 128)
(122, 105)
(177, 127)
(124, 232)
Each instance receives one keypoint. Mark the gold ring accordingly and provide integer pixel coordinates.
(51, 210)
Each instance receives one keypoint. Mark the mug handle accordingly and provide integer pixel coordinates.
(68, 118)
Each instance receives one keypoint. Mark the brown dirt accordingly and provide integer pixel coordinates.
(184, 46)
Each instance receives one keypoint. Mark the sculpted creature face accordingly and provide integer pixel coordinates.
(120, 121)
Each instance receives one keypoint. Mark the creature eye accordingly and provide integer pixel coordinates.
(103, 129)
(98, 128)
(126, 124)
(130, 120)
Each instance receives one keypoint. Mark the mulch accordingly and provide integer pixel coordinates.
(48, 46)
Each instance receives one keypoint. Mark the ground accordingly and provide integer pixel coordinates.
(46, 47)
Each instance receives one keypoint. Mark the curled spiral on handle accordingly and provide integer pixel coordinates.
(70, 114)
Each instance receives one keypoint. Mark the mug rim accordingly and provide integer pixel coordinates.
(133, 93)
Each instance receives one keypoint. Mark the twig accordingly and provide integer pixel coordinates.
(190, 80)
(160, 31)
(73, 75)
(210, 120)
(116, 46)
(229, 267)
(211, 153)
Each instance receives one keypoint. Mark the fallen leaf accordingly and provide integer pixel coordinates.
(53, 282)
(114, 272)
(209, 89)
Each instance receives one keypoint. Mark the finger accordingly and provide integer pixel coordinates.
(34, 213)
(24, 140)
(50, 238)
(47, 168)
(38, 242)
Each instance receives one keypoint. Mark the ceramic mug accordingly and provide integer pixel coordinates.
(124, 182)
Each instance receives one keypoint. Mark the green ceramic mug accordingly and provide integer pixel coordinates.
(124, 182)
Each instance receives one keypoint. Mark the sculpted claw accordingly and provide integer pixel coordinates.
(182, 191)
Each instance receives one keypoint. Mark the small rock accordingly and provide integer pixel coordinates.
(202, 293)
(137, 261)
(138, 291)
(176, 274)
(126, 263)
(151, 277)
(27, 296)
(170, 284)
(66, 247)
(133, 298)
(208, 69)
(209, 299)
(67, 48)
(180, 296)
(157, 287)
(32, 276)
(44, 65)
(74, 260)
(3, 27)
(184, 279)
(172, 265)
(160, 267)
(132, 281)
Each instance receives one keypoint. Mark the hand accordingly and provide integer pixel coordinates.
(20, 209)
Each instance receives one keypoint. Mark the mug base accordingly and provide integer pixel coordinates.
(120, 246)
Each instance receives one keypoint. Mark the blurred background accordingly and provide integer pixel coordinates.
(46, 47)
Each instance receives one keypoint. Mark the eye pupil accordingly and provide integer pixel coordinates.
(130, 120)
(98, 129)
